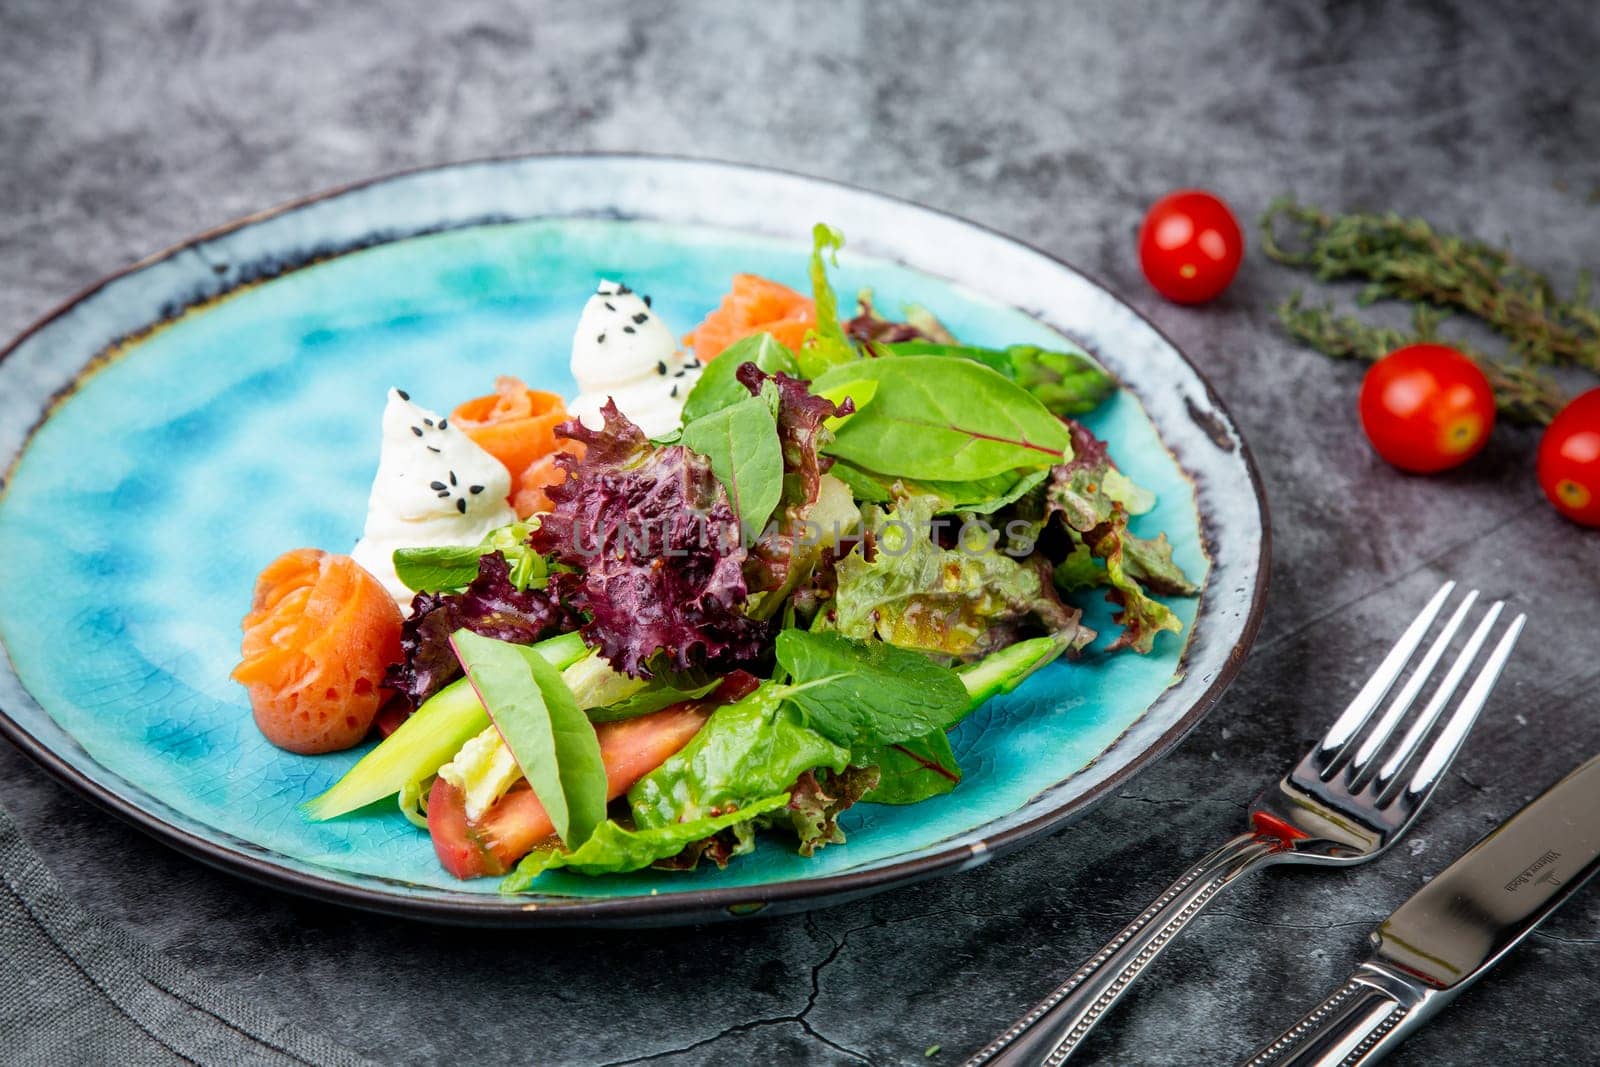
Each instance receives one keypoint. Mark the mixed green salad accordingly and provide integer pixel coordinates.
(770, 605)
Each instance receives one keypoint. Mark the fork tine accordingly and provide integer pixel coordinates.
(1419, 677)
(1390, 772)
(1355, 716)
(1444, 749)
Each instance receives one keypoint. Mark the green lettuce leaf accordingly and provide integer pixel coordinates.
(741, 443)
(941, 418)
(1141, 617)
(913, 770)
(864, 486)
(827, 346)
(718, 385)
(1093, 501)
(980, 496)
(1080, 570)
(1068, 383)
(1149, 562)
(863, 693)
(753, 748)
(547, 733)
(953, 602)
(613, 848)
(652, 699)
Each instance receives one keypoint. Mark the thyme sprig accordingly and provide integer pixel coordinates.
(1407, 259)
(1522, 393)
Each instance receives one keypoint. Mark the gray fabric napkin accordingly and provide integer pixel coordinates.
(74, 990)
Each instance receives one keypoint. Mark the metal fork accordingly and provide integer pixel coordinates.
(1339, 806)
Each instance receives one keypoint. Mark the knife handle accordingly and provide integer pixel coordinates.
(1360, 1023)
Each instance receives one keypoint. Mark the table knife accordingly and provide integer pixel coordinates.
(1454, 929)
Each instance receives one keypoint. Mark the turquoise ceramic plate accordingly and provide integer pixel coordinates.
(174, 428)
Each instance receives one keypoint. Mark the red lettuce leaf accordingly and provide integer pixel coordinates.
(659, 567)
(800, 431)
(1093, 501)
(491, 606)
(817, 800)
(785, 553)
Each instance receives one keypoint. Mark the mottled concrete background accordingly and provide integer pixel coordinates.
(125, 127)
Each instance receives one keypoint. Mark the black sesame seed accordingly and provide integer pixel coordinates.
(628, 329)
(661, 367)
(610, 306)
(680, 374)
(442, 494)
(417, 430)
(674, 392)
(402, 394)
(623, 290)
(432, 449)
(647, 300)
(442, 423)
(461, 506)
(452, 477)
(640, 317)
(427, 422)
(474, 489)
(435, 485)
(601, 339)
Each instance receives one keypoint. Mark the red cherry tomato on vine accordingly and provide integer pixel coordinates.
(1426, 408)
(1190, 246)
(1569, 460)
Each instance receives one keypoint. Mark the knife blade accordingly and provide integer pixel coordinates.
(1454, 929)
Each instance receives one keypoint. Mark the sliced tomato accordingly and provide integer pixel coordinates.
(515, 823)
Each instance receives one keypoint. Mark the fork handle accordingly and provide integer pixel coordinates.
(1057, 1025)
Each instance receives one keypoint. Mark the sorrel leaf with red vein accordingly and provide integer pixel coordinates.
(941, 418)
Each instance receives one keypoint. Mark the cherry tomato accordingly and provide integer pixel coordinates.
(1426, 408)
(1569, 460)
(1190, 246)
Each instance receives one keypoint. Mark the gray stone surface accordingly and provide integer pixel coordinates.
(125, 127)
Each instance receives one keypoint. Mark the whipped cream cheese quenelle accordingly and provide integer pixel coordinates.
(434, 487)
(622, 350)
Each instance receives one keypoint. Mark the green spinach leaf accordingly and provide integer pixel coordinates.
(741, 442)
(442, 569)
(981, 496)
(912, 770)
(718, 386)
(1068, 383)
(862, 693)
(650, 700)
(613, 848)
(540, 721)
(863, 485)
(944, 419)
(753, 748)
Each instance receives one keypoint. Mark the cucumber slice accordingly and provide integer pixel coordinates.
(1004, 670)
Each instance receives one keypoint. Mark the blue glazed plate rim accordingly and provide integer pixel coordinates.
(244, 859)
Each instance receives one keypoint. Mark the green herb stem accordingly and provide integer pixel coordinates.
(1407, 259)
(1522, 393)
